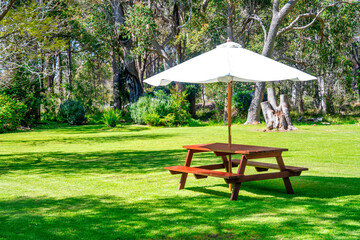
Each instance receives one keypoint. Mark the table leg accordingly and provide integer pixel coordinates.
(241, 170)
(228, 166)
(286, 180)
(187, 164)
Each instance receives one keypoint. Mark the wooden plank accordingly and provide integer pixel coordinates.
(258, 177)
(271, 166)
(187, 164)
(199, 176)
(210, 167)
(286, 180)
(235, 192)
(260, 169)
(204, 172)
(241, 171)
(263, 155)
(233, 149)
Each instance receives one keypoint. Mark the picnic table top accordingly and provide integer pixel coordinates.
(234, 149)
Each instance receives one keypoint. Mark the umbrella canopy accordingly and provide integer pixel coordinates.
(226, 63)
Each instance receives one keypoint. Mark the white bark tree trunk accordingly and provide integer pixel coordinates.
(277, 17)
(277, 116)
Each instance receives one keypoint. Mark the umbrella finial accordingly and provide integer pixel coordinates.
(228, 40)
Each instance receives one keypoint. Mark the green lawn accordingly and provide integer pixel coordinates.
(91, 182)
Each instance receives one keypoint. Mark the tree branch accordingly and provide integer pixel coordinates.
(276, 6)
(257, 18)
(204, 5)
(190, 14)
(308, 15)
(7, 8)
(302, 63)
(286, 9)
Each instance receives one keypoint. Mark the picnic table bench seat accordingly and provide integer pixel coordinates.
(261, 166)
(201, 172)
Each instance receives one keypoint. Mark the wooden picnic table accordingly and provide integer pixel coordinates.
(247, 152)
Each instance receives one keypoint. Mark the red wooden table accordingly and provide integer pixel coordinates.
(247, 152)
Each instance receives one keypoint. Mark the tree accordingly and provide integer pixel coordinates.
(278, 16)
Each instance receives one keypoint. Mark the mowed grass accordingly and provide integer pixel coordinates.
(91, 182)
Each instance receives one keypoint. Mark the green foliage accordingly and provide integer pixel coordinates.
(180, 108)
(12, 112)
(26, 88)
(162, 109)
(153, 119)
(72, 112)
(159, 104)
(111, 117)
(217, 92)
(51, 107)
(141, 26)
(242, 100)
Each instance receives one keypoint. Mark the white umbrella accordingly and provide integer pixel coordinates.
(226, 63)
(229, 62)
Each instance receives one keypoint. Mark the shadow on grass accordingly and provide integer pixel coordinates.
(90, 129)
(89, 140)
(122, 162)
(304, 186)
(200, 217)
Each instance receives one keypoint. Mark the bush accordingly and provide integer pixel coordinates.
(147, 106)
(162, 109)
(111, 117)
(242, 101)
(11, 113)
(152, 119)
(72, 112)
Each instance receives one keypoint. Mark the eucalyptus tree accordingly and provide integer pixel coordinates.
(279, 25)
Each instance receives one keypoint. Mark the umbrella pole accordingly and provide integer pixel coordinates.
(229, 129)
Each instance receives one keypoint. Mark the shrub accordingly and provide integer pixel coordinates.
(242, 101)
(11, 113)
(111, 117)
(159, 104)
(72, 112)
(162, 109)
(152, 119)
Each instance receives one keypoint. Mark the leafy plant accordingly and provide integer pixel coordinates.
(72, 112)
(242, 100)
(152, 119)
(111, 117)
(12, 112)
(159, 104)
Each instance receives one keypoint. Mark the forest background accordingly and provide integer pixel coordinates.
(85, 61)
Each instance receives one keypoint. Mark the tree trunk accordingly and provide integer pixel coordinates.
(59, 78)
(69, 65)
(225, 115)
(116, 81)
(300, 99)
(271, 95)
(285, 109)
(130, 74)
(134, 86)
(277, 17)
(203, 96)
(277, 117)
(253, 116)
(270, 119)
(322, 107)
